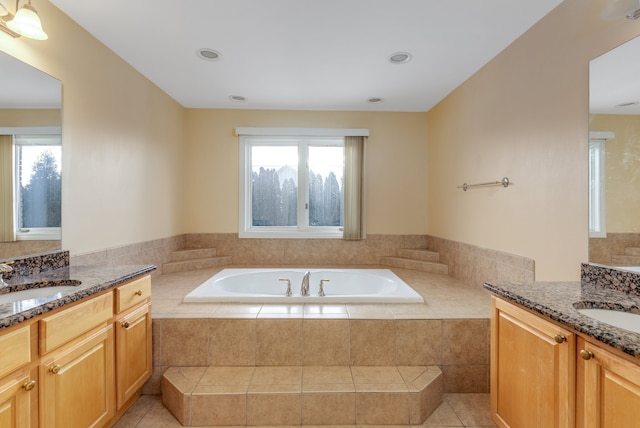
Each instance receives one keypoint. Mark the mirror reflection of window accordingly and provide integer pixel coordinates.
(38, 187)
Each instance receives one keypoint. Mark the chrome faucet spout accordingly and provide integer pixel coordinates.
(304, 288)
(4, 267)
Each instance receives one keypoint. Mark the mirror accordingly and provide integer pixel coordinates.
(30, 109)
(614, 157)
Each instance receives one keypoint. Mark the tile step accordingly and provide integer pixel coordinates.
(419, 254)
(406, 263)
(302, 395)
(619, 260)
(196, 264)
(192, 254)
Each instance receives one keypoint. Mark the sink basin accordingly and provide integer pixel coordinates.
(49, 293)
(625, 320)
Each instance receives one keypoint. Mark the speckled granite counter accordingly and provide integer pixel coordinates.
(559, 300)
(93, 279)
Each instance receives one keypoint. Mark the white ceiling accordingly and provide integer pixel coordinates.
(614, 79)
(304, 54)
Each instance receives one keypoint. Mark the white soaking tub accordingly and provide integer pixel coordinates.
(270, 286)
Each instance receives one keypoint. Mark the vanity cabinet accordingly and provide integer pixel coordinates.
(78, 366)
(133, 338)
(608, 388)
(532, 369)
(77, 383)
(18, 385)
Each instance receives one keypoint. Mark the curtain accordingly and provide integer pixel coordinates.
(353, 188)
(7, 232)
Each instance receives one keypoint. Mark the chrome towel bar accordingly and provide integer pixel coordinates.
(504, 183)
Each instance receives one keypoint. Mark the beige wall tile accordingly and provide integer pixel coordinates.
(382, 409)
(465, 341)
(232, 342)
(279, 342)
(372, 342)
(180, 335)
(274, 409)
(418, 342)
(328, 409)
(218, 409)
(326, 342)
(466, 378)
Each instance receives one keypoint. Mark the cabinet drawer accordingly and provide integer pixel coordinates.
(15, 350)
(57, 329)
(129, 295)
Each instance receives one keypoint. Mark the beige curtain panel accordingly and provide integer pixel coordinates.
(6, 189)
(353, 188)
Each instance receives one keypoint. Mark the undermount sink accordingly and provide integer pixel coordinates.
(39, 292)
(625, 320)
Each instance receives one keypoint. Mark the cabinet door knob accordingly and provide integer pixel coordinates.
(125, 324)
(55, 369)
(138, 293)
(586, 355)
(559, 338)
(29, 385)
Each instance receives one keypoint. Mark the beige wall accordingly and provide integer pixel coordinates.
(622, 171)
(525, 116)
(396, 153)
(30, 117)
(122, 140)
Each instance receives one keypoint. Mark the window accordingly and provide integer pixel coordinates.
(38, 187)
(292, 186)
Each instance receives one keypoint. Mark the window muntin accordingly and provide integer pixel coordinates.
(291, 186)
(38, 187)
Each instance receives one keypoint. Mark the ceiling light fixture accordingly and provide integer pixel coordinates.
(25, 22)
(375, 100)
(629, 104)
(400, 58)
(208, 54)
(237, 98)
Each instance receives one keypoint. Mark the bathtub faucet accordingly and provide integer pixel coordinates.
(304, 288)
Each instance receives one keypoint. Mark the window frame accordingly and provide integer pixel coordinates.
(302, 230)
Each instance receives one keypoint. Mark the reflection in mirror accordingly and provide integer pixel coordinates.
(614, 157)
(30, 160)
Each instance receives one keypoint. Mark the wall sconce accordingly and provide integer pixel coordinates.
(25, 22)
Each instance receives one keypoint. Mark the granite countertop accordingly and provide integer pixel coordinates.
(555, 300)
(93, 279)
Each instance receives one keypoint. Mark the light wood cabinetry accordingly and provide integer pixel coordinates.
(532, 369)
(80, 365)
(133, 356)
(77, 388)
(18, 385)
(18, 400)
(608, 388)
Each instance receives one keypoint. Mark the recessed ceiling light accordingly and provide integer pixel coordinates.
(237, 98)
(208, 54)
(400, 58)
(632, 103)
(375, 100)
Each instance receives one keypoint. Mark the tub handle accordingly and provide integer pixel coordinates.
(287, 293)
(321, 291)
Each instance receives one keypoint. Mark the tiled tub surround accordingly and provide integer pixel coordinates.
(449, 332)
(600, 288)
(93, 279)
(469, 263)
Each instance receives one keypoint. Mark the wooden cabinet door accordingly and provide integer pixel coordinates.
(78, 383)
(609, 389)
(133, 352)
(16, 400)
(532, 370)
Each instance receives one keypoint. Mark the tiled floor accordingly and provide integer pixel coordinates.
(457, 410)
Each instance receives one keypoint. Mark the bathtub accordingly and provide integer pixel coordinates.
(265, 286)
